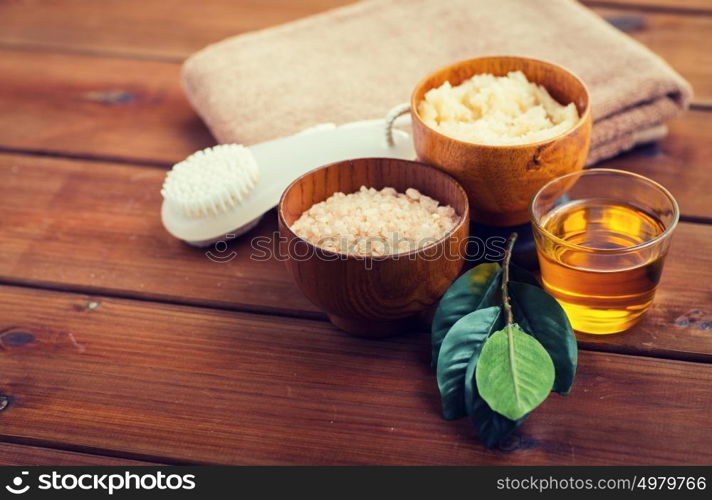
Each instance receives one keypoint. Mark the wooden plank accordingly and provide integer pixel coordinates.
(680, 162)
(168, 29)
(674, 37)
(678, 324)
(23, 455)
(95, 228)
(134, 110)
(213, 386)
(170, 131)
(91, 106)
(155, 30)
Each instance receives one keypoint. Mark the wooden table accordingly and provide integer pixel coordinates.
(121, 345)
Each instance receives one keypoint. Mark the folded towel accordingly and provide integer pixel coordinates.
(358, 61)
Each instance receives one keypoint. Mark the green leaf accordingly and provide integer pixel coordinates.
(541, 316)
(473, 290)
(514, 374)
(517, 273)
(490, 425)
(464, 339)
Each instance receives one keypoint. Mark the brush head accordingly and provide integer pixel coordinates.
(203, 193)
(211, 181)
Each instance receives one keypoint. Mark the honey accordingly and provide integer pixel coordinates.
(598, 266)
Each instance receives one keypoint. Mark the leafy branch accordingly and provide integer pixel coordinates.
(500, 345)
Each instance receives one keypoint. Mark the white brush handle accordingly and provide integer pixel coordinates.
(283, 160)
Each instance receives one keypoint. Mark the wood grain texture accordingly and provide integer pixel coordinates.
(674, 37)
(138, 379)
(24, 455)
(95, 227)
(91, 106)
(135, 110)
(680, 162)
(172, 29)
(381, 296)
(167, 29)
(207, 386)
(500, 197)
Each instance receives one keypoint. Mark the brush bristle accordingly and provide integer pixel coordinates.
(212, 180)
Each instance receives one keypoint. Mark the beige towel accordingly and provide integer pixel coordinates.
(358, 61)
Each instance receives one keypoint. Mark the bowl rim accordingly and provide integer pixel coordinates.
(582, 121)
(465, 216)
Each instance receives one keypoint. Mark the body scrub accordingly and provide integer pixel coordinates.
(375, 223)
(496, 110)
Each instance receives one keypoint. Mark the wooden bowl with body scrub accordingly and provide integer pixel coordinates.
(373, 295)
(500, 179)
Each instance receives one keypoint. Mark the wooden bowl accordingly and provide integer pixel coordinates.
(373, 296)
(501, 180)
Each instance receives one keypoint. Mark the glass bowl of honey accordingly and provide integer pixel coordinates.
(602, 236)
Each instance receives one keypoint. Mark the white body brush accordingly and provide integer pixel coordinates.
(225, 190)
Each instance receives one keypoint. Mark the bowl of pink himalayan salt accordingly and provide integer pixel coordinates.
(374, 242)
